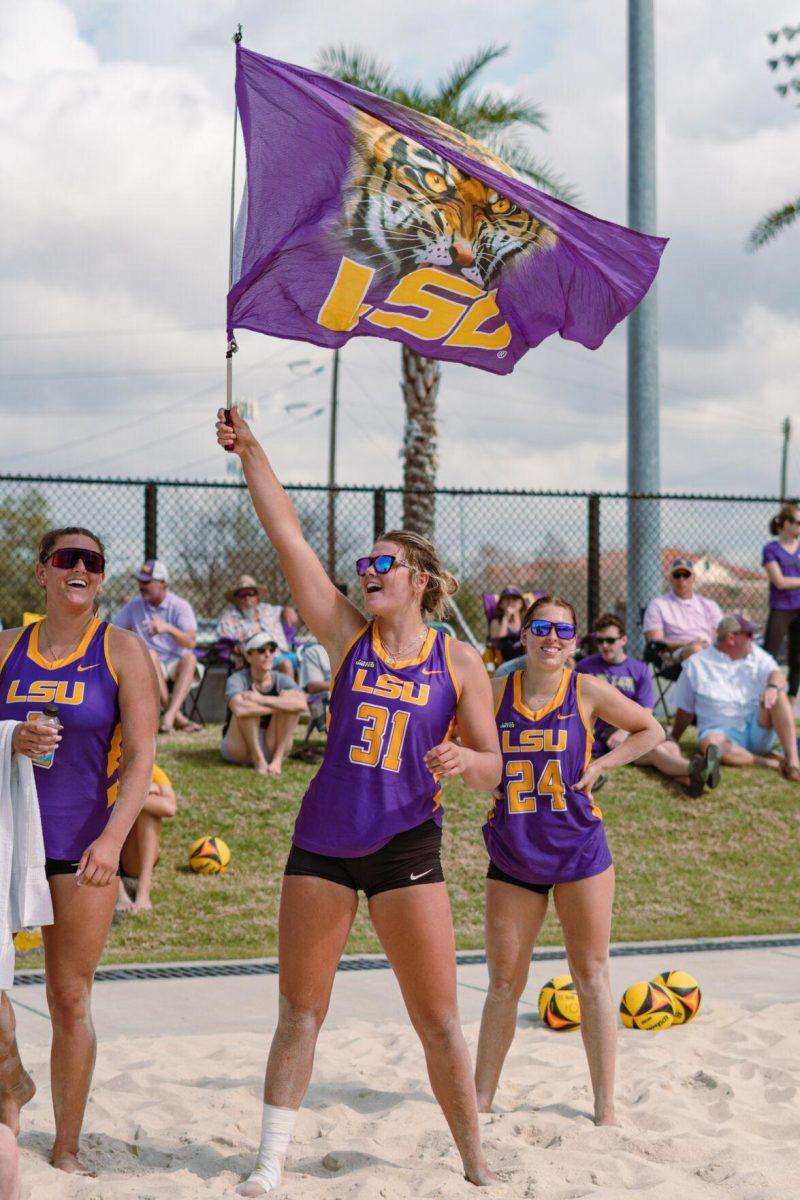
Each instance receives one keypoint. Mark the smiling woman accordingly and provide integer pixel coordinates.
(100, 685)
(371, 819)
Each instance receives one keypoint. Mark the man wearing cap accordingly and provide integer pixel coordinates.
(263, 710)
(737, 693)
(248, 613)
(167, 624)
(681, 618)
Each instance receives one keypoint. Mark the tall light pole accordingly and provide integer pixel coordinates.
(644, 518)
(786, 430)
(332, 467)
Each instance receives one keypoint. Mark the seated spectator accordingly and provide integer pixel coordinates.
(315, 677)
(737, 694)
(682, 619)
(167, 624)
(142, 847)
(248, 613)
(264, 708)
(633, 679)
(505, 626)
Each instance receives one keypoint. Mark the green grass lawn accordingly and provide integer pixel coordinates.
(725, 864)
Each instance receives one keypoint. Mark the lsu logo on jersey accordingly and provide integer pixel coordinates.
(46, 691)
(392, 688)
(535, 739)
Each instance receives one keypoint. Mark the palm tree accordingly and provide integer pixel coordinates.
(781, 218)
(490, 118)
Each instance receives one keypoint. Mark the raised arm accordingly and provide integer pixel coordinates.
(328, 614)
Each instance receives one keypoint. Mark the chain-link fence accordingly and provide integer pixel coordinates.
(571, 543)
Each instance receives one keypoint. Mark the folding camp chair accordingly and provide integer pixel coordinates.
(664, 672)
(206, 701)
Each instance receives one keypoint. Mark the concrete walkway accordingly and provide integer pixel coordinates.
(751, 978)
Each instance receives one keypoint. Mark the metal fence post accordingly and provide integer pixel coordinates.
(378, 512)
(593, 558)
(150, 520)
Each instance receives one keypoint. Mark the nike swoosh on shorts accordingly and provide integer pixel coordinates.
(421, 875)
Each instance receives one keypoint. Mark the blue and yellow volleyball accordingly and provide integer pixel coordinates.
(684, 991)
(559, 1006)
(646, 1006)
(209, 856)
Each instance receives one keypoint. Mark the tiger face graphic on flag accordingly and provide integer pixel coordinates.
(407, 207)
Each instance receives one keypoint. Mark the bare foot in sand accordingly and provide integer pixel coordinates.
(63, 1160)
(481, 1176)
(606, 1117)
(14, 1099)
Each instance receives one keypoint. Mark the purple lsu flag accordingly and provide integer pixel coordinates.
(362, 218)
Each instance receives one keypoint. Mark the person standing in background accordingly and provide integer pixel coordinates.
(781, 559)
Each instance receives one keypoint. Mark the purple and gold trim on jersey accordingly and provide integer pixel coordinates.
(382, 720)
(77, 792)
(543, 830)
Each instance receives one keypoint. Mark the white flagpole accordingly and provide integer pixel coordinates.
(232, 347)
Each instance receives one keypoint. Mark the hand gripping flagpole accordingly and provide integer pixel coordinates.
(232, 347)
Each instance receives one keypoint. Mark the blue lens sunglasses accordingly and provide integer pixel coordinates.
(382, 563)
(564, 629)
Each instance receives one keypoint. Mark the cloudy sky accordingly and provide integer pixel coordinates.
(116, 121)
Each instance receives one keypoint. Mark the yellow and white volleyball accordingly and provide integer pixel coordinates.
(646, 1006)
(209, 856)
(27, 940)
(684, 991)
(559, 1006)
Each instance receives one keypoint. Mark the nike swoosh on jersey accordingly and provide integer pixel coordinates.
(566, 716)
(435, 671)
(421, 875)
(91, 668)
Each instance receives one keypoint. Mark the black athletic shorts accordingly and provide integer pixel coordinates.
(61, 866)
(495, 873)
(410, 858)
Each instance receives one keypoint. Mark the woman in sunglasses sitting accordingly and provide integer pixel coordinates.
(545, 832)
(371, 819)
(103, 686)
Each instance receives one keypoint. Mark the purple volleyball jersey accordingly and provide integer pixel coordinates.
(789, 563)
(373, 782)
(542, 830)
(77, 791)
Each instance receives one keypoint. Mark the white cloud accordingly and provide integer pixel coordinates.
(116, 124)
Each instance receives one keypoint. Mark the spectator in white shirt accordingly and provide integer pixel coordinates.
(737, 694)
(681, 618)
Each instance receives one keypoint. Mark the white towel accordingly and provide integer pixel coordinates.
(24, 890)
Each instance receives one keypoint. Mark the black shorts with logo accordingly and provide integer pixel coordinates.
(408, 859)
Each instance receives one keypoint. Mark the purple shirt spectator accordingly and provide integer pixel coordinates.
(137, 614)
(683, 620)
(631, 677)
(789, 563)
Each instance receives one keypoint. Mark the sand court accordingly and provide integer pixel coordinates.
(706, 1110)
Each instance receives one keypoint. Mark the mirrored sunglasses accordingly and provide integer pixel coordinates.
(382, 563)
(67, 557)
(564, 629)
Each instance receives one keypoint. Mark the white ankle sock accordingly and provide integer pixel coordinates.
(276, 1132)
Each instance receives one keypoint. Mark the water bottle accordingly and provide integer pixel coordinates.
(48, 716)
